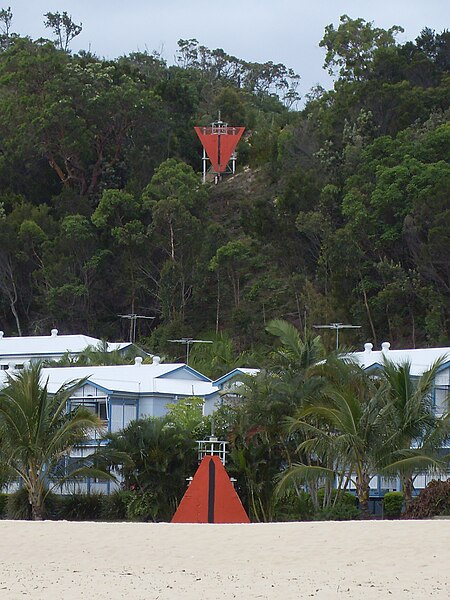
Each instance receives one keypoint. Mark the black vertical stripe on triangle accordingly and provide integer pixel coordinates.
(211, 490)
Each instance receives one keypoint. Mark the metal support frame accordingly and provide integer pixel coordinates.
(204, 165)
(212, 447)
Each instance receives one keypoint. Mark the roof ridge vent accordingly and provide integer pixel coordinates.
(54, 332)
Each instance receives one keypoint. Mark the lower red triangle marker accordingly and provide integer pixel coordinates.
(211, 497)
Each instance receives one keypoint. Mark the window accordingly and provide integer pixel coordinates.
(97, 406)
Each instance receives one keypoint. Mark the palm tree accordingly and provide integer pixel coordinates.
(261, 447)
(345, 428)
(154, 456)
(219, 357)
(95, 355)
(295, 355)
(416, 431)
(37, 432)
(259, 444)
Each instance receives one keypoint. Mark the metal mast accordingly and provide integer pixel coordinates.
(337, 327)
(187, 342)
(133, 319)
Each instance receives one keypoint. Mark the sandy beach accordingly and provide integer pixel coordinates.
(286, 561)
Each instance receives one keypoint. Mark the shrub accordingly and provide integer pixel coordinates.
(18, 506)
(294, 507)
(114, 507)
(142, 507)
(81, 507)
(393, 504)
(339, 512)
(3, 502)
(433, 501)
(345, 498)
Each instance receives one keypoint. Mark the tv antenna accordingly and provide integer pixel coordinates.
(188, 341)
(133, 319)
(337, 327)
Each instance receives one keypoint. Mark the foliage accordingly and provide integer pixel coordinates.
(186, 415)
(344, 429)
(63, 27)
(433, 501)
(294, 507)
(351, 47)
(338, 211)
(415, 432)
(81, 507)
(259, 79)
(37, 432)
(73, 507)
(393, 504)
(114, 505)
(221, 356)
(159, 455)
(100, 190)
(261, 444)
(3, 503)
(338, 497)
(6, 18)
(300, 507)
(142, 507)
(18, 506)
(339, 512)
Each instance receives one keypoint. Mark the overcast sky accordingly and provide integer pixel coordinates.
(286, 31)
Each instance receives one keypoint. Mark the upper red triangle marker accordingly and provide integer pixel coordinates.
(219, 142)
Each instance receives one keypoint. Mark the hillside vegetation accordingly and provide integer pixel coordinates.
(339, 210)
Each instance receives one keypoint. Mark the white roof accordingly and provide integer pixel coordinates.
(248, 371)
(49, 345)
(235, 374)
(131, 379)
(420, 359)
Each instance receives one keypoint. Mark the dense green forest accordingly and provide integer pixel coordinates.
(339, 209)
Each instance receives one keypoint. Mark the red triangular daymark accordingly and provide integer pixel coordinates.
(219, 143)
(211, 497)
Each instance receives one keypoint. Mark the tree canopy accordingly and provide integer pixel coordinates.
(338, 211)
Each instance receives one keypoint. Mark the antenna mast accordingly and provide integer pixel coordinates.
(133, 319)
(337, 327)
(187, 342)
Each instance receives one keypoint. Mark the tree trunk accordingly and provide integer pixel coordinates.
(37, 505)
(218, 305)
(362, 491)
(407, 485)
(37, 513)
(369, 315)
(16, 317)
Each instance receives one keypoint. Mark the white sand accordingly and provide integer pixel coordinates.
(286, 561)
